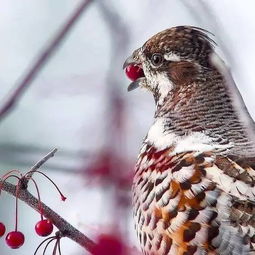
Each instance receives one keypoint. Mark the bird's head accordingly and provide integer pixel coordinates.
(171, 59)
(192, 87)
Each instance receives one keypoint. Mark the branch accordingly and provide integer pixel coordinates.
(42, 60)
(64, 227)
(38, 165)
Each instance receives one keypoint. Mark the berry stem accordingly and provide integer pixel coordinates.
(46, 246)
(39, 197)
(7, 177)
(55, 248)
(59, 249)
(51, 238)
(63, 198)
(11, 172)
(16, 204)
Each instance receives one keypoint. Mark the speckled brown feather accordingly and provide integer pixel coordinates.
(189, 42)
(189, 200)
(198, 199)
(183, 73)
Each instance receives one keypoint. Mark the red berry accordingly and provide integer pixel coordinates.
(44, 227)
(15, 239)
(134, 72)
(2, 229)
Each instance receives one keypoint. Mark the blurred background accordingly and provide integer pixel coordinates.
(79, 101)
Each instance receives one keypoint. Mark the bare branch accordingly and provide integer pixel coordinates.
(64, 227)
(42, 59)
(43, 160)
(38, 165)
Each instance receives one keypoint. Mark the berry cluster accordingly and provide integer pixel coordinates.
(44, 227)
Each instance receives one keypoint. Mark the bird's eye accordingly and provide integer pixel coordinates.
(156, 59)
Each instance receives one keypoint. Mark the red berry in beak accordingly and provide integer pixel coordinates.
(134, 72)
(44, 228)
(15, 239)
(2, 229)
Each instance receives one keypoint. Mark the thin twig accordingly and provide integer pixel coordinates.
(43, 160)
(64, 227)
(42, 59)
(38, 165)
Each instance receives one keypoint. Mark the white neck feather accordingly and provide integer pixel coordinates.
(193, 141)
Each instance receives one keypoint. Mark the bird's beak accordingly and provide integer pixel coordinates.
(135, 84)
(129, 61)
(139, 81)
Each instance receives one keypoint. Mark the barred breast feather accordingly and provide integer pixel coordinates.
(193, 203)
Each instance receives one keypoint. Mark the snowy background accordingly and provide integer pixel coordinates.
(74, 101)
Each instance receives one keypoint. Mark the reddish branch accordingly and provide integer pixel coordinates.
(42, 59)
(64, 227)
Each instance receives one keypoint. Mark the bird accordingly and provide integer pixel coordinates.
(194, 182)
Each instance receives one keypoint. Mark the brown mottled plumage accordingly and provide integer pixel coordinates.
(193, 190)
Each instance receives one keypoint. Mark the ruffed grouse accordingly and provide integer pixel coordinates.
(193, 189)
